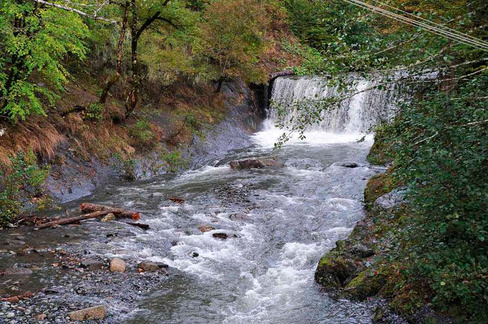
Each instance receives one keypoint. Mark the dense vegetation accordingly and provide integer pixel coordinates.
(438, 142)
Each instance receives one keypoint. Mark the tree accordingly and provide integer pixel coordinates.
(233, 38)
(34, 39)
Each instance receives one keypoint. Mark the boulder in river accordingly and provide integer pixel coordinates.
(146, 266)
(91, 264)
(91, 313)
(117, 265)
(255, 164)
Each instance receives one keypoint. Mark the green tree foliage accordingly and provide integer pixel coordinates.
(233, 38)
(22, 176)
(33, 41)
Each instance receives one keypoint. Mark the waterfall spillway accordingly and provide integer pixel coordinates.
(364, 107)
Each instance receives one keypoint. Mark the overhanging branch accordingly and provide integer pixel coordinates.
(79, 12)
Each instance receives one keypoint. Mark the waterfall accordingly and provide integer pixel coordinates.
(357, 114)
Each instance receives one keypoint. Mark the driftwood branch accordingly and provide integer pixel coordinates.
(118, 212)
(91, 211)
(71, 220)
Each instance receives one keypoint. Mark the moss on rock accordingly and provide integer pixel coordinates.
(364, 285)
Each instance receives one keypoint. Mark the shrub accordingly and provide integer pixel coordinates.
(22, 177)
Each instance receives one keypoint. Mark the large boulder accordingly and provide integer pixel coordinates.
(255, 164)
(91, 313)
(333, 271)
(117, 265)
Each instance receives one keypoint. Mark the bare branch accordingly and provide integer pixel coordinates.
(79, 12)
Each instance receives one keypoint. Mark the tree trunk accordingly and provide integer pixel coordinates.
(120, 46)
(219, 84)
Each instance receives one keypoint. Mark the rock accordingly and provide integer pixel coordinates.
(92, 313)
(205, 228)
(195, 254)
(349, 165)
(40, 317)
(364, 286)
(255, 164)
(147, 266)
(162, 265)
(18, 271)
(390, 200)
(332, 271)
(240, 217)
(91, 264)
(362, 251)
(11, 315)
(117, 265)
(108, 218)
(221, 236)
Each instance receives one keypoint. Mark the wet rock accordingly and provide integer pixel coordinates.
(205, 228)
(147, 266)
(162, 265)
(364, 286)
(332, 272)
(17, 271)
(240, 217)
(349, 165)
(221, 236)
(255, 164)
(117, 265)
(92, 313)
(91, 264)
(195, 255)
(108, 218)
(40, 317)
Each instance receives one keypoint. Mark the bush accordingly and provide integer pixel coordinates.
(22, 177)
(441, 152)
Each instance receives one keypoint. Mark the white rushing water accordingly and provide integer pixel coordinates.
(279, 221)
(350, 121)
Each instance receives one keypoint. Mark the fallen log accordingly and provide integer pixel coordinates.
(118, 212)
(71, 220)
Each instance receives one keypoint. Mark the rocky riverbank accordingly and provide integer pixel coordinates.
(356, 269)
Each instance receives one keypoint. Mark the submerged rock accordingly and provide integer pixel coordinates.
(92, 313)
(255, 164)
(117, 265)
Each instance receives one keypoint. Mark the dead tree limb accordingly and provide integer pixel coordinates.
(118, 212)
(71, 220)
